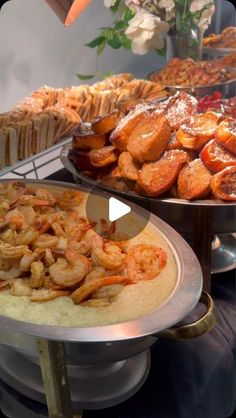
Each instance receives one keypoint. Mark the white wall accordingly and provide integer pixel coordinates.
(36, 49)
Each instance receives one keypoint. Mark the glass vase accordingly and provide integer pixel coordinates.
(184, 44)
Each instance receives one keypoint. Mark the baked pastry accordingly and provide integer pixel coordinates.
(198, 130)
(156, 178)
(225, 134)
(194, 181)
(149, 137)
(128, 166)
(88, 140)
(215, 157)
(103, 156)
(223, 184)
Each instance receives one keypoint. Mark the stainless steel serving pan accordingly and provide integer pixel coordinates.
(218, 52)
(179, 213)
(128, 338)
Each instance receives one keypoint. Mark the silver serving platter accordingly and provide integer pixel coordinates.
(226, 88)
(218, 52)
(179, 213)
(182, 300)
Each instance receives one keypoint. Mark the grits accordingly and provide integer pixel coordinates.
(132, 302)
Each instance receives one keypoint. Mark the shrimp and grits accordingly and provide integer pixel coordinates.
(58, 268)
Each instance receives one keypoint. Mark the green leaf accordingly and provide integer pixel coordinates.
(84, 77)
(126, 42)
(101, 47)
(121, 24)
(128, 14)
(115, 7)
(95, 42)
(108, 33)
(115, 42)
(162, 51)
(107, 74)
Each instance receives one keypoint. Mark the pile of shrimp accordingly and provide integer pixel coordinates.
(48, 250)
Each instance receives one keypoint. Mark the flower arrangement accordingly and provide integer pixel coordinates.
(141, 25)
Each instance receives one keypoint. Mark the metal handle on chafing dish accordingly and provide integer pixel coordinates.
(196, 328)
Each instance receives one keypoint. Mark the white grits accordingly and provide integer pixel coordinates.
(132, 302)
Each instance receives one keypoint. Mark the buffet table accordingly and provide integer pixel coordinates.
(186, 378)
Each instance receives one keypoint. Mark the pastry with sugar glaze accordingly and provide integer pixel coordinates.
(223, 184)
(156, 178)
(194, 181)
(198, 131)
(149, 138)
(225, 134)
(215, 157)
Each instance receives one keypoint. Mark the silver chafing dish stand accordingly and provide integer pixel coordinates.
(100, 346)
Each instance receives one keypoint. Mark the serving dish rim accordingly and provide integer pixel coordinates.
(125, 194)
(179, 303)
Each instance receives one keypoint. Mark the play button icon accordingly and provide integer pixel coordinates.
(117, 209)
(113, 213)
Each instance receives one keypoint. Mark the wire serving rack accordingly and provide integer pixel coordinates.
(38, 166)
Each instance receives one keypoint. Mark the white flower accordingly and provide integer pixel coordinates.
(145, 31)
(205, 18)
(197, 5)
(169, 5)
(109, 3)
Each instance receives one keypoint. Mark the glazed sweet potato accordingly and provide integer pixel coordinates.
(156, 178)
(225, 134)
(223, 184)
(149, 138)
(215, 157)
(194, 181)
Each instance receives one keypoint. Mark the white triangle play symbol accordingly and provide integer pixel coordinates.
(117, 209)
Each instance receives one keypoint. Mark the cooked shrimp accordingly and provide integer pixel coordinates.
(67, 273)
(9, 236)
(28, 259)
(84, 246)
(37, 274)
(45, 241)
(5, 284)
(106, 254)
(42, 295)
(26, 236)
(16, 218)
(29, 214)
(108, 292)
(9, 251)
(57, 229)
(71, 198)
(96, 303)
(144, 261)
(96, 273)
(10, 274)
(48, 258)
(41, 197)
(4, 206)
(106, 229)
(20, 287)
(72, 229)
(84, 291)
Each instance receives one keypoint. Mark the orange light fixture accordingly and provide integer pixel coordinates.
(67, 10)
